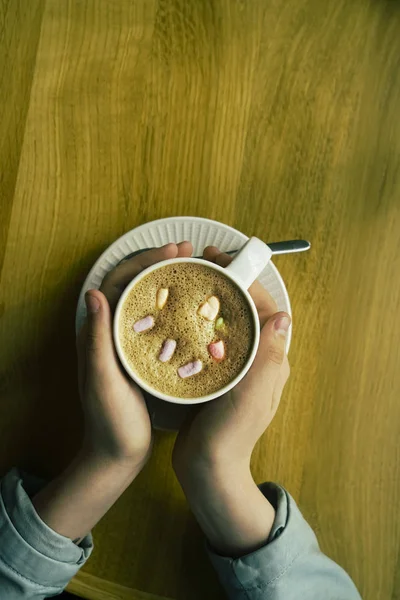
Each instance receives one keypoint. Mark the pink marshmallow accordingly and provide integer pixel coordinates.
(144, 324)
(167, 350)
(217, 350)
(190, 369)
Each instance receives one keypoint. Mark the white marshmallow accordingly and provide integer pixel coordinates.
(209, 309)
(162, 297)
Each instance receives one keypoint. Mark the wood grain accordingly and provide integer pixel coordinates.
(94, 588)
(280, 119)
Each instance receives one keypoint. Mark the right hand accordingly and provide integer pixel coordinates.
(117, 423)
(211, 457)
(225, 431)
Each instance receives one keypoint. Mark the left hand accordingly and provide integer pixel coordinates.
(226, 430)
(117, 424)
(117, 438)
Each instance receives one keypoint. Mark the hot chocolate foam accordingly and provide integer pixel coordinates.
(189, 286)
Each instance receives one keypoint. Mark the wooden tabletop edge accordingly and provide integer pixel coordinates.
(95, 588)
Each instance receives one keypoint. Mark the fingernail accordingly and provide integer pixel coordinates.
(92, 303)
(282, 325)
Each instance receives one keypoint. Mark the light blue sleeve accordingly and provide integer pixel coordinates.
(290, 566)
(35, 561)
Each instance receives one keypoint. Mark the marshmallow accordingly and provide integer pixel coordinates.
(162, 297)
(219, 323)
(217, 350)
(190, 369)
(144, 324)
(209, 309)
(167, 350)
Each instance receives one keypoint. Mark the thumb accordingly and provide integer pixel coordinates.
(100, 355)
(271, 353)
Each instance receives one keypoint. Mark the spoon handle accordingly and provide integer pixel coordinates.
(286, 247)
(276, 248)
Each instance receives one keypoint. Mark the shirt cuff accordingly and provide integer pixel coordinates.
(278, 498)
(29, 547)
(289, 538)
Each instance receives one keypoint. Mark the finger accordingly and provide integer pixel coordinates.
(116, 280)
(100, 353)
(185, 249)
(279, 385)
(272, 349)
(273, 340)
(211, 252)
(260, 389)
(265, 304)
(126, 271)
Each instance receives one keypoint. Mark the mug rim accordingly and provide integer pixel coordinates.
(138, 380)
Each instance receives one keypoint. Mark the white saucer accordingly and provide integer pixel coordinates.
(201, 232)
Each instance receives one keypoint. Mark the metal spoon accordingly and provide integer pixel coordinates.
(276, 247)
(284, 247)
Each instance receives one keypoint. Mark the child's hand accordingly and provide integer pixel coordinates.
(227, 429)
(212, 452)
(117, 424)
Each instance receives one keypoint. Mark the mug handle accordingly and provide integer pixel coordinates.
(249, 262)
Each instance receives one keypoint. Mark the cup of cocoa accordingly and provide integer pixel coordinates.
(187, 330)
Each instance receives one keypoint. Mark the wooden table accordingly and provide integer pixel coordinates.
(279, 118)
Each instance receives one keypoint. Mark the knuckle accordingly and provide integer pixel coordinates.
(275, 355)
(92, 342)
(273, 307)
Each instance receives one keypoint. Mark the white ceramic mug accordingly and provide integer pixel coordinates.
(243, 270)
